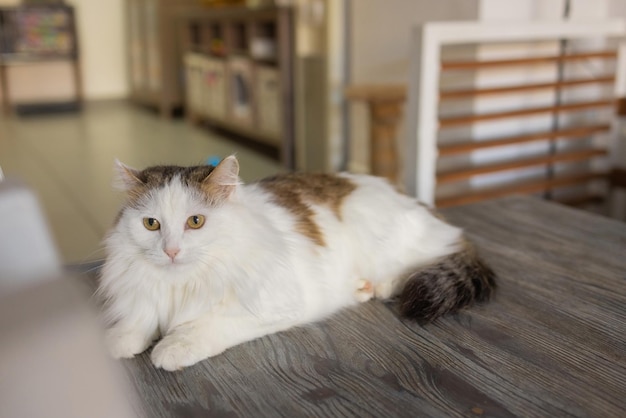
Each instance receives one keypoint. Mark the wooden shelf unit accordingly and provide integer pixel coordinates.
(239, 73)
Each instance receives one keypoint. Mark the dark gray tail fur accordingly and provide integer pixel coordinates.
(454, 282)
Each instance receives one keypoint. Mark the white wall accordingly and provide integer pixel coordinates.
(101, 36)
(102, 31)
(379, 51)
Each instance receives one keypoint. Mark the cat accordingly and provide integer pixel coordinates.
(204, 262)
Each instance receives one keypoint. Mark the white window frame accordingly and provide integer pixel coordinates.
(420, 140)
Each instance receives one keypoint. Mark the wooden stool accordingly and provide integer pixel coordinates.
(385, 104)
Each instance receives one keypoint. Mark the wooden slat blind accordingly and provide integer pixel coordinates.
(553, 179)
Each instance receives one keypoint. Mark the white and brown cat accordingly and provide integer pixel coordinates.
(204, 263)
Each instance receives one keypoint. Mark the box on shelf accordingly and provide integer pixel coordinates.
(240, 90)
(194, 83)
(214, 87)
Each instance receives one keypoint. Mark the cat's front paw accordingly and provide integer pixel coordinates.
(175, 352)
(124, 343)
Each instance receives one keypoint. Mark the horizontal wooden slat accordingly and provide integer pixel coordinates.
(569, 133)
(620, 106)
(519, 188)
(467, 173)
(468, 119)
(469, 93)
(476, 64)
(618, 177)
(582, 200)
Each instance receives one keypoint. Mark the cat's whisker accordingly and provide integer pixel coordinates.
(86, 267)
(88, 259)
(100, 249)
(96, 267)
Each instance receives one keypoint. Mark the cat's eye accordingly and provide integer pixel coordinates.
(195, 221)
(151, 224)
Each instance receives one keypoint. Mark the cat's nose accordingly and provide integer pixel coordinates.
(172, 252)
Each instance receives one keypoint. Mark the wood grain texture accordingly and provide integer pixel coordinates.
(550, 344)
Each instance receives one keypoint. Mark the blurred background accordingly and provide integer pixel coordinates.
(453, 101)
(314, 85)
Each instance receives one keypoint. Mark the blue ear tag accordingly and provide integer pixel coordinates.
(213, 160)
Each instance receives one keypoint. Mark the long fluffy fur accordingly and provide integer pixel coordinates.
(450, 284)
(272, 255)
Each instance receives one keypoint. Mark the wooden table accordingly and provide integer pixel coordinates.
(552, 343)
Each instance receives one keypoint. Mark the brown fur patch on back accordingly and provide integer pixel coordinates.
(296, 191)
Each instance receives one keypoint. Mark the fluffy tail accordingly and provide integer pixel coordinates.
(454, 282)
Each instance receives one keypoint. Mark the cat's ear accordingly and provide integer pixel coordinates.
(126, 178)
(224, 179)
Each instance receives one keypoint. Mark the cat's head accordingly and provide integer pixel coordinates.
(171, 213)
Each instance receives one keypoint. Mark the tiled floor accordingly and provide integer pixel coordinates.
(68, 160)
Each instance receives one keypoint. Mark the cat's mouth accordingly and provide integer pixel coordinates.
(175, 263)
(169, 263)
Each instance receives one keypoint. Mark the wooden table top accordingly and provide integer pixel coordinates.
(552, 343)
